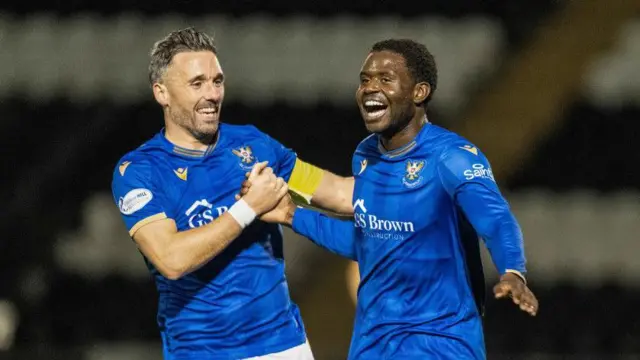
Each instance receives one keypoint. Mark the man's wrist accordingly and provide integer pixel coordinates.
(517, 274)
(242, 212)
(291, 211)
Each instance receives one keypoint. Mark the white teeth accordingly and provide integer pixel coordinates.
(377, 114)
(207, 110)
(375, 108)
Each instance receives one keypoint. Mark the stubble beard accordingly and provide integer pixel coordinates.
(186, 120)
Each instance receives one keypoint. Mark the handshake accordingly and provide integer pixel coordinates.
(267, 195)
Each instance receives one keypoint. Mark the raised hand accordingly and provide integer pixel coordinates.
(282, 213)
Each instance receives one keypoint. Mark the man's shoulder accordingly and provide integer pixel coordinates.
(367, 145)
(443, 141)
(245, 130)
(442, 137)
(241, 137)
(144, 157)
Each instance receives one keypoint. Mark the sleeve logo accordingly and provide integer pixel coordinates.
(479, 171)
(123, 167)
(135, 200)
(363, 165)
(471, 149)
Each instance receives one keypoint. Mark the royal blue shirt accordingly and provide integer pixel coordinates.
(237, 305)
(419, 213)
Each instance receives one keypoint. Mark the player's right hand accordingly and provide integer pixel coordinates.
(245, 188)
(282, 213)
(266, 189)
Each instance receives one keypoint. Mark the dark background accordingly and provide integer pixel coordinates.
(72, 285)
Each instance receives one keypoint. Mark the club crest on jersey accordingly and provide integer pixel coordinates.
(247, 159)
(412, 177)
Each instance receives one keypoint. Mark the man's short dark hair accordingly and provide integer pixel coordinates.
(419, 60)
(163, 51)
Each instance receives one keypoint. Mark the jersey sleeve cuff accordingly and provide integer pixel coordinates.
(146, 221)
(304, 221)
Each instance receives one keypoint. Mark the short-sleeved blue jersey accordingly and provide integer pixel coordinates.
(419, 212)
(238, 304)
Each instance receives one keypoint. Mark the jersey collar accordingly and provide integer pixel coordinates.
(179, 150)
(407, 147)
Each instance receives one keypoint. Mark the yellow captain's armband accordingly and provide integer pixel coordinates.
(305, 179)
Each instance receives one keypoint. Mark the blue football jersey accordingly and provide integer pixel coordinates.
(418, 214)
(237, 305)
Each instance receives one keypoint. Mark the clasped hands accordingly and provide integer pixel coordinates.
(267, 195)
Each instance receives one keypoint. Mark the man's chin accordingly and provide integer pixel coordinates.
(375, 126)
(206, 133)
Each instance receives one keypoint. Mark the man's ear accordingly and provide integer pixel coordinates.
(421, 92)
(161, 94)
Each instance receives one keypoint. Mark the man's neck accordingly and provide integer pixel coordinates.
(181, 137)
(404, 136)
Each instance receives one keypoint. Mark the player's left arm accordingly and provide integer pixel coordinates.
(322, 188)
(467, 176)
(335, 235)
(317, 187)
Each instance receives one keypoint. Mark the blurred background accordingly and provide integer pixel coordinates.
(549, 89)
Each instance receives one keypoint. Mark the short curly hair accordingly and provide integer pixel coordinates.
(419, 60)
(164, 50)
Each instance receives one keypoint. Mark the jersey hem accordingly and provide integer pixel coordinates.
(198, 355)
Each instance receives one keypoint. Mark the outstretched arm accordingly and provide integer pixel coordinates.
(467, 176)
(335, 235)
(322, 188)
(312, 185)
(492, 219)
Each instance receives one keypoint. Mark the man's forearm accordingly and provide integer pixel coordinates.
(492, 219)
(335, 235)
(176, 253)
(193, 248)
(335, 193)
